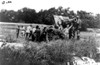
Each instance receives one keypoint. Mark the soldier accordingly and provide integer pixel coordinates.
(28, 32)
(58, 32)
(71, 28)
(78, 26)
(50, 32)
(17, 31)
(22, 31)
(33, 31)
(37, 34)
(71, 31)
(43, 35)
(66, 30)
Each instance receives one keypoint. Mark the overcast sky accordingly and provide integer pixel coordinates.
(86, 5)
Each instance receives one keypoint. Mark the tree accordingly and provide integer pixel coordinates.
(27, 15)
(87, 19)
(4, 16)
(97, 20)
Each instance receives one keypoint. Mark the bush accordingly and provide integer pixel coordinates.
(58, 52)
(86, 47)
(26, 56)
(12, 57)
(52, 53)
(10, 38)
(63, 51)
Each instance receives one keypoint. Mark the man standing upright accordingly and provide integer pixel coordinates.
(37, 34)
(33, 35)
(28, 31)
(77, 26)
(17, 31)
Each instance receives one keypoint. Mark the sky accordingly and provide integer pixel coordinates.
(75, 5)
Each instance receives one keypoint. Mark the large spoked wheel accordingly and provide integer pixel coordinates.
(50, 36)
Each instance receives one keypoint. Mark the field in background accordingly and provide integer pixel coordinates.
(10, 29)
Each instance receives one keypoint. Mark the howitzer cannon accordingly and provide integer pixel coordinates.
(62, 22)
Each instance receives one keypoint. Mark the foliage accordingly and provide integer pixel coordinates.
(86, 47)
(11, 57)
(58, 52)
(97, 20)
(51, 53)
(10, 38)
(28, 15)
(88, 20)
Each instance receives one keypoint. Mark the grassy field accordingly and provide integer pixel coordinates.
(9, 29)
(56, 49)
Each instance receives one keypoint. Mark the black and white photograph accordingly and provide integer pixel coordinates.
(49, 32)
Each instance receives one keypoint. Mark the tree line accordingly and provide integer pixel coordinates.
(27, 15)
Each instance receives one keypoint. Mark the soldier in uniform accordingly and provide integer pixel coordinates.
(76, 25)
(37, 34)
(17, 31)
(33, 31)
(28, 32)
(44, 34)
(50, 33)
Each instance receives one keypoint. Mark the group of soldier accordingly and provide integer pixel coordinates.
(71, 30)
(29, 33)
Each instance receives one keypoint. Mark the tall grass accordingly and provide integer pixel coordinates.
(10, 38)
(52, 53)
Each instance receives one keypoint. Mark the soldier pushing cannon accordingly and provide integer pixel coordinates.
(71, 26)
